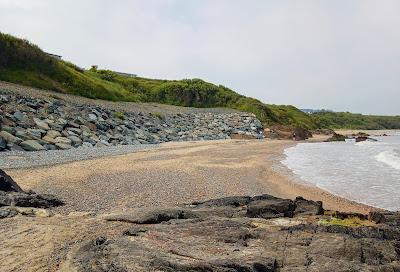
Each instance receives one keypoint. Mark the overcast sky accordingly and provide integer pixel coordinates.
(342, 55)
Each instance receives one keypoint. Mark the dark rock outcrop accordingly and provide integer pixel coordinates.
(337, 138)
(7, 184)
(240, 234)
(11, 195)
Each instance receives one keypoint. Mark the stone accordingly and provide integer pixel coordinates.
(63, 146)
(49, 139)
(8, 212)
(3, 144)
(7, 184)
(62, 140)
(53, 134)
(307, 207)
(92, 117)
(22, 199)
(41, 124)
(9, 137)
(75, 140)
(32, 145)
(35, 133)
(270, 207)
(19, 116)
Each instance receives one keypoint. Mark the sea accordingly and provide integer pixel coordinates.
(365, 172)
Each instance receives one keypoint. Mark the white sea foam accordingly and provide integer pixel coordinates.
(366, 172)
(391, 158)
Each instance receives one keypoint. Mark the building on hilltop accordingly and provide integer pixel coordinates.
(58, 57)
(125, 74)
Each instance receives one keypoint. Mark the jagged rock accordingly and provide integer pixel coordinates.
(32, 145)
(307, 207)
(7, 184)
(218, 235)
(270, 208)
(385, 217)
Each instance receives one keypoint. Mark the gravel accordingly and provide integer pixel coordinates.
(22, 159)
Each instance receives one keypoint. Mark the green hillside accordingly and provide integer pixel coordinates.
(347, 120)
(24, 63)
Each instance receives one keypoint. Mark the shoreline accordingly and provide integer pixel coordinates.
(178, 172)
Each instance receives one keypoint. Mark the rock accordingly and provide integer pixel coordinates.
(307, 207)
(63, 146)
(385, 217)
(28, 200)
(75, 140)
(203, 236)
(31, 145)
(49, 139)
(19, 116)
(92, 117)
(302, 134)
(3, 144)
(336, 138)
(53, 134)
(62, 140)
(7, 184)
(9, 137)
(35, 133)
(270, 207)
(41, 124)
(8, 212)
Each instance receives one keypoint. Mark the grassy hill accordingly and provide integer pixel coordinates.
(24, 63)
(347, 120)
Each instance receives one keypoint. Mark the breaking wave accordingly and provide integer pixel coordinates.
(391, 158)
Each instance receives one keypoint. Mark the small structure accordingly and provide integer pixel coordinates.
(125, 74)
(54, 56)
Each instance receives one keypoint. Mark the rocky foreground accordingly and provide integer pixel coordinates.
(260, 233)
(30, 123)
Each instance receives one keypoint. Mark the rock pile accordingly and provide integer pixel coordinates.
(261, 233)
(34, 124)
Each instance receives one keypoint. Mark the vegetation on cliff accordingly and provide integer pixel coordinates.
(24, 63)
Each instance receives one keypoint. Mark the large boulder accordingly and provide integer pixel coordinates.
(32, 145)
(270, 208)
(337, 138)
(307, 207)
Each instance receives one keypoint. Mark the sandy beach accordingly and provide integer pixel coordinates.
(175, 173)
(170, 174)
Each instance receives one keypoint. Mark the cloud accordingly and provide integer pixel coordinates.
(341, 55)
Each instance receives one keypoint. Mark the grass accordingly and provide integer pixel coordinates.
(347, 222)
(25, 63)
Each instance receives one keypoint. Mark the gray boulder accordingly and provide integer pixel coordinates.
(9, 137)
(32, 145)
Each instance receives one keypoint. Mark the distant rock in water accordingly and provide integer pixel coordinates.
(337, 138)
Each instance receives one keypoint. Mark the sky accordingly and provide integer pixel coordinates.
(342, 55)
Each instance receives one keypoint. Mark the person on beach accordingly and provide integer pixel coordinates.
(294, 136)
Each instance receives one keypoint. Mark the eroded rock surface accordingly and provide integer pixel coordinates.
(261, 233)
(12, 197)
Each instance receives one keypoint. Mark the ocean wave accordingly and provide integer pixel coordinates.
(391, 158)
